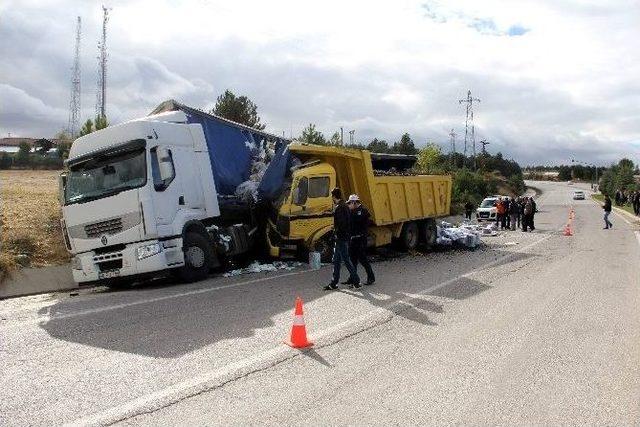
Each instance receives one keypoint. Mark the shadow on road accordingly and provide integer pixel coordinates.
(172, 327)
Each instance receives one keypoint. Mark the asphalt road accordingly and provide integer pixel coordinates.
(533, 328)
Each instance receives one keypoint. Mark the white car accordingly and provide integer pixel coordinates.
(578, 195)
(487, 209)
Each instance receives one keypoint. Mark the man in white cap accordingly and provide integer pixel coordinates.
(359, 232)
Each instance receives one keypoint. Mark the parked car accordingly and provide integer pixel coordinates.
(578, 195)
(487, 209)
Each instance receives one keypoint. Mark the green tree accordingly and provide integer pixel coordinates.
(404, 146)
(100, 122)
(430, 158)
(5, 160)
(43, 146)
(64, 144)
(23, 156)
(624, 175)
(378, 146)
(87, 128)
(239, 109)
(311, 135)
(564, 173)
(335, 139)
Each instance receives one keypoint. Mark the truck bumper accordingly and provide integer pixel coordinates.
(108, 266)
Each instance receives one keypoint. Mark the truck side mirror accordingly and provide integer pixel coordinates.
(62, 184)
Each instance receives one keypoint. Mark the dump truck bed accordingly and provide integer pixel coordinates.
(390, 199)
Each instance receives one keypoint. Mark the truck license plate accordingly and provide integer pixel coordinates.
(108, 274)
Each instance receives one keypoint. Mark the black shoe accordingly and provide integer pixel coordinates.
(606, 228)
(330, 287)
(370, 282)
(356, 285)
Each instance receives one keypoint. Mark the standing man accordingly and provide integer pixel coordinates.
(342, 232)
(526, 218)
(359, 232)
(607, 212)
(636, 203)
(514, 210)
(500, 213)
(468, 209)
(533, 213)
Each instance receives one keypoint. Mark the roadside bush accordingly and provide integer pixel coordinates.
(20, 243)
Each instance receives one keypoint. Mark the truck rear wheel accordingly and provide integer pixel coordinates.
(409, 236)
(197, 258)
(428, 232)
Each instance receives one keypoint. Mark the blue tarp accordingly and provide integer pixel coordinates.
(231, 156)
(275, 174)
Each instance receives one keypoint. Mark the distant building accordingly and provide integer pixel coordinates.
(12, 145)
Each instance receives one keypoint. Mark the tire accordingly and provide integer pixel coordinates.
(428, 232)
(325, 247)
(197, 258)
(120, 284)
(409, 236)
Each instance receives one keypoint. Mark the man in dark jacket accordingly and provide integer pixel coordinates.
(607, 212)
(342, 233)
(533, 214)
(359, 232)
(468, 210)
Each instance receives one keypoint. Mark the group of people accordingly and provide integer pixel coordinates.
(631, 198)
(511, 213)
(350, 228)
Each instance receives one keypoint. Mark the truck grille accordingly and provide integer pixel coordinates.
(111, 226)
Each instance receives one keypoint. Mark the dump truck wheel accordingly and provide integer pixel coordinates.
(428, 232)
(409, 236)
(325, 247)
(197, 258)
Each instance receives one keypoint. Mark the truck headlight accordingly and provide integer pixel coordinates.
(149, 250)
(76, 264)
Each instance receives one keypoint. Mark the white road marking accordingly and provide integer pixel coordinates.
(148, 300)
(271, 357)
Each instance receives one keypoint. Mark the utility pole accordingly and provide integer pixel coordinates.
(484, 146)
(74, 104)
(352, 136)
(469, 122)
(341, 136)
(101, 95)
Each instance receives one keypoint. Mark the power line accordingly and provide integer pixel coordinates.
(75, 103)
(469, 122)
(101, 94)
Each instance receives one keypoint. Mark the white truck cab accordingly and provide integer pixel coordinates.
(132, 194)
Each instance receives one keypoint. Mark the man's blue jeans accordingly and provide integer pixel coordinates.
(607, 223)
(340, 255)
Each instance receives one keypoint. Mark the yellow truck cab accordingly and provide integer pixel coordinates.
(403, 207)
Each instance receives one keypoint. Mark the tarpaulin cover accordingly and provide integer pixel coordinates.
(230, 155)
(276, 172)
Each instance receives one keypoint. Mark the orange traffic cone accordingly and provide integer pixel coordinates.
(298, 330)
(567, 230)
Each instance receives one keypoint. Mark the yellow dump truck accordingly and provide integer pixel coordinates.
(403, 206)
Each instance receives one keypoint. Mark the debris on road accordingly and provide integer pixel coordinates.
(466, 235)
(256, 267)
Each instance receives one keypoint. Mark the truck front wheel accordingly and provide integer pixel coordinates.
(197, 258)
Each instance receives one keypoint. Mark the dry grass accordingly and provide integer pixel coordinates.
(30, 218)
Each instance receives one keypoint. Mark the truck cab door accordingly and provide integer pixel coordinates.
(166, 184)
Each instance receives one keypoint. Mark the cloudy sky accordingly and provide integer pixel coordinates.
(557, 79)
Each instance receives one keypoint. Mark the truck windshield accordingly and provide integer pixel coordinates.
(488, 203)
(106, 175)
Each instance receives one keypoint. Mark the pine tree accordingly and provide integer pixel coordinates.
(239, 109)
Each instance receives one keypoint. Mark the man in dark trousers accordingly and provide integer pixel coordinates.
(534, 209)
(359, 232)
(342, 233)
(468, 210)
(607, 212)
